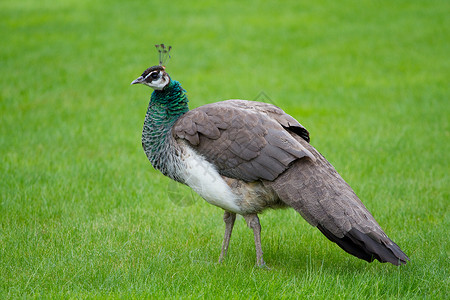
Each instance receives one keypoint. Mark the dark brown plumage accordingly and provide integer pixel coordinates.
(243, 139)
(326, 201)
(253, 141)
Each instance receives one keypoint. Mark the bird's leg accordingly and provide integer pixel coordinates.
(229, 219)
(253, 223)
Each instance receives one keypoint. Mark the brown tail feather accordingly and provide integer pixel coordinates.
(364, 247)
(326, 201)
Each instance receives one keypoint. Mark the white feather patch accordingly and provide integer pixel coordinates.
(204, 179)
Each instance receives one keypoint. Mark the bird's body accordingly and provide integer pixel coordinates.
(245, 157)
(175, 158)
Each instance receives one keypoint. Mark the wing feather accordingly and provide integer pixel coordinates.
(244, 139)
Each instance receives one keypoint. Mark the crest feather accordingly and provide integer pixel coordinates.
(163, 51)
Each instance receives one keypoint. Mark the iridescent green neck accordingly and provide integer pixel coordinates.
(172, 98)
(165, 107)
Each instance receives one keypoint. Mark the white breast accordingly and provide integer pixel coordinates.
(204, 179)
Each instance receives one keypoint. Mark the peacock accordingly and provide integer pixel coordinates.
(247, 156)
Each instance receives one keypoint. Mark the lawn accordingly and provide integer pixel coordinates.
(84, 215)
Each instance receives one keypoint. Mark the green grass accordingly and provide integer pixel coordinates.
(82, 212)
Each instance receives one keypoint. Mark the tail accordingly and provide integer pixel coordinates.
(364, 247)
(326, 201)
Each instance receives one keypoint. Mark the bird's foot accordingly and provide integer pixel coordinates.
(260, 263)
(263, 266)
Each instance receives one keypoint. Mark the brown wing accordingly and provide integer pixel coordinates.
(244, 139)
(275, 113)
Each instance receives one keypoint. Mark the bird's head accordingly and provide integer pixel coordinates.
(155, 77)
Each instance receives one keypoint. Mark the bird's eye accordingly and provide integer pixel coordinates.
(154, 75)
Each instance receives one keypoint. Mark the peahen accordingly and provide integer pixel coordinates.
(246, 156)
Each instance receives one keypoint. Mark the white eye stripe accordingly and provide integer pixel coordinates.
(152, 77)
(157, 83)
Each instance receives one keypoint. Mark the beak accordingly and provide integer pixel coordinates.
(138, 80)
